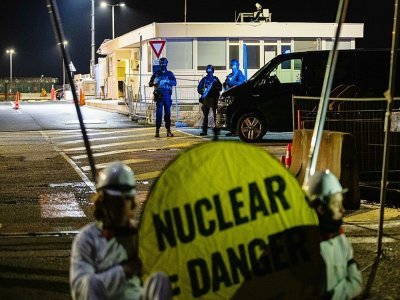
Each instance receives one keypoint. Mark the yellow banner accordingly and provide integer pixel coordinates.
(226, 220)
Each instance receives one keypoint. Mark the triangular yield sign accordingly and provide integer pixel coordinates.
(157, 47)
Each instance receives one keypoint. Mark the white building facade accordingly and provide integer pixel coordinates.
(190, 47)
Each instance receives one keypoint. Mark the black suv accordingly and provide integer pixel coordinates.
(264, 102)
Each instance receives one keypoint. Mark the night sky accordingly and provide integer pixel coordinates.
(26, 25)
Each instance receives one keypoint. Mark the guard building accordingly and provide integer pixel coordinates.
(128, 60)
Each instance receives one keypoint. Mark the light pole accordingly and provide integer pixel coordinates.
(104, 4)
(92, 52)
(65, 43)
(11, 52)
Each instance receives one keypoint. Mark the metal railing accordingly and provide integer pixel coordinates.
(364, 119)
(185, 99)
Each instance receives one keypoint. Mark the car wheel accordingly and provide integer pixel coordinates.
(250, 128)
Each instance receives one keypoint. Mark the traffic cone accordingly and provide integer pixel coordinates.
(53, 93)
(82, 98)
(288, 157)
(16, 106)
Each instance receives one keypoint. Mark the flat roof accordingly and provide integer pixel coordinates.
(231, 30)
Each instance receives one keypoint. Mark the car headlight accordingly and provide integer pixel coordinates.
(225, 100)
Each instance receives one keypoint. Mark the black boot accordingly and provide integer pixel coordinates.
(203, 132)
(157, 132)
(169, 133)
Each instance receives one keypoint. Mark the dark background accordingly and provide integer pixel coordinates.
(26, 25)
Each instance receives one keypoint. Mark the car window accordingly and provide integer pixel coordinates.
(288, 71)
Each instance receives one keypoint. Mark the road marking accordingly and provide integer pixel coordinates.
(370, 239)
(106, 132)
(84, 178)
(60, 205)
(181, 145)
(107, 138)
(94, 121)
(115, 144)
(127, 162)
(149, 175)
(373, 214)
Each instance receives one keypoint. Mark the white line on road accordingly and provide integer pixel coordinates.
(72, 163)
(370, 239)
(127, 162)
(107, 132)
(115, 144)
(181, 145)
(107, 138)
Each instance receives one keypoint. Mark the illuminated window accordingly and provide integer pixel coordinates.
(179, 54)
(211, 51)
(253, 56)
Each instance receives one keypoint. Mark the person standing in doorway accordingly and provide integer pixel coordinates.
(163, 81)
(209, 88)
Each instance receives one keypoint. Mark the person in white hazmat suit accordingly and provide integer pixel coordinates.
(343, 278)
(104, 257)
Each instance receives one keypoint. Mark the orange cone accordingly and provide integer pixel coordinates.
(82, 98)
(16, 106)
(53, 93)
(288, 157)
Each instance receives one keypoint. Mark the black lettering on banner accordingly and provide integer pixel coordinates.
(278, 250)
(180, 226)
(203, 230)
(257, 203)
(259, 260)
(164, 230)
(219, 272)
(175, 289)
(238, 262)
(296, 244)
(223, 225)
(272, 194)
(236, 206)
(200, 286)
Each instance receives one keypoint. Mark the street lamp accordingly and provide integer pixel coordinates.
(104, 4)
(65, 43)
(11, 52)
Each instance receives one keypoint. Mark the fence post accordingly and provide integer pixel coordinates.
(176, 106)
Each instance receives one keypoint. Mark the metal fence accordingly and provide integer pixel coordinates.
(25, 85)
(364, 119)
(185, 99)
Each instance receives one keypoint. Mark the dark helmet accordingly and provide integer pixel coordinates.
(210, 69)
(234, 62)
(117, 180)
(163, 62)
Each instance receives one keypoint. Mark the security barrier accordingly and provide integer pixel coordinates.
(337, 154)
(364, 119)
(185, 99)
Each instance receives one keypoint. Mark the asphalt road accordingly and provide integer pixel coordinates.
(46, 184)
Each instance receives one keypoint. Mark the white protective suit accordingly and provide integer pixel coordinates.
(95, 270)
(342, 274)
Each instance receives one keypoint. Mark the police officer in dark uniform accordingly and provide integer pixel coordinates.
(163, 81)
(234, 78)
(209, 88)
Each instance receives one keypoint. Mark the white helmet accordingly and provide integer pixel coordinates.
(322, 185)
(117, 180)
(258, 6)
